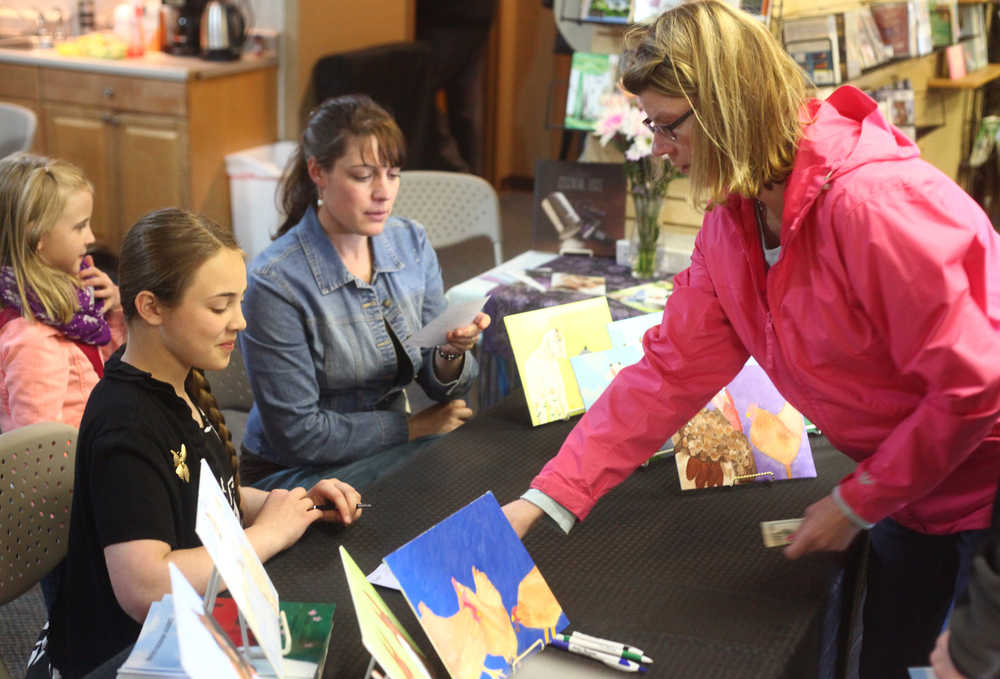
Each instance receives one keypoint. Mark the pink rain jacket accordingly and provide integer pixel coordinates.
(44, 376)
(880, 322)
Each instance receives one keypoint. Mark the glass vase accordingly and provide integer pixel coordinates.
(646, 234)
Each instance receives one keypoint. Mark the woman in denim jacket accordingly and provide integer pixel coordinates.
(330, 305)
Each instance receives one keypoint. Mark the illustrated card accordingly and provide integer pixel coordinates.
(543, 341)
(594, 371)
(631, 330)
(479, 596)
(383, 636)
(238, 564)
(747, 432)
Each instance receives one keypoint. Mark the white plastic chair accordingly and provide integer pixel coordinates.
(452, 206)
(17, 128)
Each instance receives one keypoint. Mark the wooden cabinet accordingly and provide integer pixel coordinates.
(146, 143)
(134, 160)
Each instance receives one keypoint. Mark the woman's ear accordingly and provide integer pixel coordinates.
(149, 308)
(315, 172)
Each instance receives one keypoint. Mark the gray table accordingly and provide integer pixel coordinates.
(683, 576)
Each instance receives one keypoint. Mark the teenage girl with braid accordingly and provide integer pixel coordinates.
(147, 426)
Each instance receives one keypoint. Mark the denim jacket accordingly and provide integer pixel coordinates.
(324, 372)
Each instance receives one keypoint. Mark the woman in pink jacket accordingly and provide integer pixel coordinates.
(60, 316)
(864, 281)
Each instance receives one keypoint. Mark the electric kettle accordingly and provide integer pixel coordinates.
(224, 27)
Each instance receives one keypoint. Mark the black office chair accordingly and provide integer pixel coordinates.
(397, 76)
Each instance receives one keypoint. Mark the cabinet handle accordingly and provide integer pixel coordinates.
(109, 92)
(110, 119)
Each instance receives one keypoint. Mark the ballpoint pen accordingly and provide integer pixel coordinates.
(329, 505)
(619, 663)
(609, 647)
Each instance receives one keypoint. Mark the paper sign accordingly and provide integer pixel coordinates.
(457, 315)
(223, 536)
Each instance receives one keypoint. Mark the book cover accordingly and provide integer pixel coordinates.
(893, 21)
(955, 58)
(308, 626)
(477, 593)
(605, 11)
(594, 371)
(944, 22)
(578, 205)
(814, 45)
(591, 77)
(747, 432)
(631, 330)
(543, 341)
(381, 632)
(648, 297)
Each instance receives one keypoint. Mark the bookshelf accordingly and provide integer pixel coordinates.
(971, 81)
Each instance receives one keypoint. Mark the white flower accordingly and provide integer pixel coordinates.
(641, 147)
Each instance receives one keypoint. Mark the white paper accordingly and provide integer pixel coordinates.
(383, 577)
(206, 653)
(457, 315)
(239, 566)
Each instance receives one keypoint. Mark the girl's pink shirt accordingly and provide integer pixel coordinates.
(44, 376)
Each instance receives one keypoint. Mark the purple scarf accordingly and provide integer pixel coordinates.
(87, 325)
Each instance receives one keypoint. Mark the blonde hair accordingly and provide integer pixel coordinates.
(746, 93)
(33, 195)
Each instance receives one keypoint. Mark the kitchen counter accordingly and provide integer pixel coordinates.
(156, 65)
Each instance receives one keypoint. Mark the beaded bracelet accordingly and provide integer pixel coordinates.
(447, 355)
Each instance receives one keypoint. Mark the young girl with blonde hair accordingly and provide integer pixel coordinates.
(147, 426)
(60, 316)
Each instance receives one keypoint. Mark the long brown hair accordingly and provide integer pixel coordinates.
(745, 90)
(33, 194)
(332, 126)
(161, 253)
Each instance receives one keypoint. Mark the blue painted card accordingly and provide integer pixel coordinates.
(630, 330)
(594, 371)
(477, 593)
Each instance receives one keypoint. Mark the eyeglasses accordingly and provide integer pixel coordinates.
(667, 130)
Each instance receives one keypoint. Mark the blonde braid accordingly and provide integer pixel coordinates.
(200, 390)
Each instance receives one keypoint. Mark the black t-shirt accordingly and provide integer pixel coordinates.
(126, 487)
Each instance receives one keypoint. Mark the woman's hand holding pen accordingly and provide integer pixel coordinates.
(281, 521)
(345, 502)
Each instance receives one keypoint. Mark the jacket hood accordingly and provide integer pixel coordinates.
(846, 131)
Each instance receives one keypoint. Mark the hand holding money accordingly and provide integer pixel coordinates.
(825, 528)
(779, 533)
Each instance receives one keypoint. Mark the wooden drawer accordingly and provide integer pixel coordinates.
(18, 81)
(121, 93)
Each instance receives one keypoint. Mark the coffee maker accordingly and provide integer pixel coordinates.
(182, 26)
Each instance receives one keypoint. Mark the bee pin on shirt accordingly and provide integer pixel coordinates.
(180, 464)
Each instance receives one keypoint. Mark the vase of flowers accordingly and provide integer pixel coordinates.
(648, 176)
